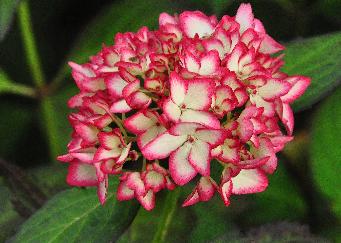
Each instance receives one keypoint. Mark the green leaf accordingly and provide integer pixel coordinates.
(149, 224)
(169, 222)
(49, 178)
(219, 6)
(7, 10)
(9, 217)
(121, 16)
(213, 221)
(76, 215)
(276, 203)
(318, 58)
(325, 152)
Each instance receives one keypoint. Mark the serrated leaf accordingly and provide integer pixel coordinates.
(76, 215)
(325, 152)
(318, 58)
(7, 10)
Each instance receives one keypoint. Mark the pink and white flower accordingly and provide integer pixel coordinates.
(189, 146)
(196, 91)
(190, 100)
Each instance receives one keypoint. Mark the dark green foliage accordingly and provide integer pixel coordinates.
(304, 58)
(7, 10)
(76, 215)
(35, 131)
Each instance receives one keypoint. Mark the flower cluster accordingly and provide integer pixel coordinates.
(157, 108)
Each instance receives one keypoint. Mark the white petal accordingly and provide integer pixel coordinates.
(201, 117)
(199, 157)
(249, 181)
(180, 168)
(162, 146)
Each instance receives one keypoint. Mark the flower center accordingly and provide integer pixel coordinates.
(190, 139)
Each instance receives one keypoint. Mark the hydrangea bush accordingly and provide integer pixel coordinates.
(158, 108)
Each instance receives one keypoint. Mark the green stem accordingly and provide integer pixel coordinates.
(167, 215)
(20, 89)
(33, 60)
(118, 122)
(30, 46)
(51, 126)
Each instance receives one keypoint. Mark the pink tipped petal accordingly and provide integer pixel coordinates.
(192, 199)
(138, 123)
(120, 106)
(299, 85)
(138, 100)
(171, 110)
(185, 128)
(234, 57)
(169, 184)
(192, 63)
(205, 189)
(253, 163)
(147, 201)
(199, 94)
(226, 190)
(271, 165)
(270, 46)
(124, 155)
(124, 192)
(199, 157)
(288, 118)
(178, 88)
(80, 174)
(134, 182)
(149, 135)
(249, 181)
(115, 85)
(65, 158)
(165, 18)
(109, 140)
(155, 181)
(84, 155)
(162, 146)
(241, 96)
(209, 63)
(201, 117)
(269, 107)
(104, 154)
(196, 22)
(274, 88)
(244, 17)
(180, 168)
(87, 132)
(81, 69)
(102, 190)
(212, 136)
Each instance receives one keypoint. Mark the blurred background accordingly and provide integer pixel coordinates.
(303, 200)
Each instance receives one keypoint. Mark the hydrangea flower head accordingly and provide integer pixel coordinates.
(157, 108)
